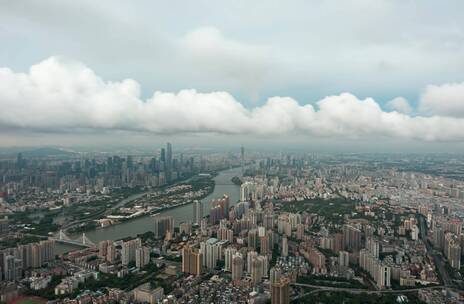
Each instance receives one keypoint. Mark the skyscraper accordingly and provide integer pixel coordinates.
(257, 269)
(142, 257)
(163, 224)
(197, 212)
(253, 239)
(191, 261)
(242, 158)
(129, 249)
(284, 246)
(343, 259)
(163, 155)
(211, 251)
(19, 161)
(4, 226)
(280, 293)
(9, 271)
(111, 253)
(169, 155)
(228, 256)
(237, 267)
(351, 238)
(169, 162)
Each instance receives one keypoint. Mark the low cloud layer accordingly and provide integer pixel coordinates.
(446, 99)
(399, 104)
(59, 95)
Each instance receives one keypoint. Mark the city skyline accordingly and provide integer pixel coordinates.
(304, 151)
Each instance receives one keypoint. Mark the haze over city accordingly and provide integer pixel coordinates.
(249, 152)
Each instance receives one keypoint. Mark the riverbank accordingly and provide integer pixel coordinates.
(184, 213)
(202, 186)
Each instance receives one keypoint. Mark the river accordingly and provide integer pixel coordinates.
(223, 185)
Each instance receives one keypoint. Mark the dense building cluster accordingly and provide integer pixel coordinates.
(295, 225)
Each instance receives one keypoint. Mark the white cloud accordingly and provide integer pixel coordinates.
(399, 104)
(211, 53)
(59, 95)
(446, 99)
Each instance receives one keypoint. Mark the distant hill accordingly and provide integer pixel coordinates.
(34, 152)
(47, 152)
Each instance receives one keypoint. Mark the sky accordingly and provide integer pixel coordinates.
(345, 74)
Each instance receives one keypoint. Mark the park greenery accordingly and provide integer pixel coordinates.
(332, 209)
(330, 282)
(335, 297)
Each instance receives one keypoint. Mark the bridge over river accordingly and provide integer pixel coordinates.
(82, 241)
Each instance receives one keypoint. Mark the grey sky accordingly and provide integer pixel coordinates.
(306, 50)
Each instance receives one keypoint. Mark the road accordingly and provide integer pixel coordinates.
(437, 258)
(356, 291)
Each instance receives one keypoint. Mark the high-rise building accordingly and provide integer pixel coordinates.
(215, 215)
(300, 231)
(343, 258)
(242, 158)
(4, 226)
(128, 250)
(452, 249)
(275, 274)
(41, 253)
(25, 251)
(219, 209)
(373, 246)
(169, 162)
(103, 248)
(142, 256)
(185, 228)
(228, 255)
(384, 276)
(163, 224)
(9, 271)
(191, 261)
(438, 238)
(268, 220)
(211, 252)
(338, 242)
(163, 156)
(47, 250)
(237, 266)
(111, 253)
(280, 291)
(36, 256)
(317, 259)
(253, 239)
(197, 212)
(264, 245)
(20, 161)
(380, 272)
(284, 246)
(257, 269)
(246, 191)
(351, 238)
(250, 256)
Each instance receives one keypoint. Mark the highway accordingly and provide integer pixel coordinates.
(437, 258)
(356, 291)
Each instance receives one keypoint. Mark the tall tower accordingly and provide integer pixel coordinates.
(197, 212)
(280, 293)
(163, 155)
(169, 155)
(169, 162)
(242, 157)
(237, 266)
(163, 224)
